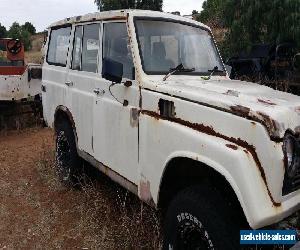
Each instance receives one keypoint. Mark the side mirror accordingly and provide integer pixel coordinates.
(112, 70)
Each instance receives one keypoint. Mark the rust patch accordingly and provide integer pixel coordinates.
(210, 131)
(267, 102)
(271, 124)
(234, 147)
(236, 110)
(145, 193)
(240, 110)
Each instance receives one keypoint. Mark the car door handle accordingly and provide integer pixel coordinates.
(98, 91)
(69, 83)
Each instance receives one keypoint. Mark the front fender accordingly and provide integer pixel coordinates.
(232, 161)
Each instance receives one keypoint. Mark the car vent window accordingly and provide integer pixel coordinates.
(77, 48)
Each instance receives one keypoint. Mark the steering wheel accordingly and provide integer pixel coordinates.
(14, 46)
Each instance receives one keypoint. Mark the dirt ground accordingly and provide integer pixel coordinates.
(36, 211)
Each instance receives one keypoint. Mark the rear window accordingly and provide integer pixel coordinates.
(59, 46)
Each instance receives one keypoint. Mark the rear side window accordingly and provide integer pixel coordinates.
(58, 46)
(90, 48)
(86, 48)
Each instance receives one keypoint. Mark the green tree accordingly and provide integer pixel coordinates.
(248, 22)
(29, 27)
(270, 21)
(212, 13)
(105, 5)
(15, 31)
(3, 31)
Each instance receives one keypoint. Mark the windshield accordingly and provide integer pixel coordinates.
(165, 44)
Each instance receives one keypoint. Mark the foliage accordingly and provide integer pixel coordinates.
(248, 22)
(105, 5)
(29, 27)
(212, 13)
(17, 31)
(3, 31)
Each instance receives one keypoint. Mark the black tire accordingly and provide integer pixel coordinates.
(199, 218)
(68, 163)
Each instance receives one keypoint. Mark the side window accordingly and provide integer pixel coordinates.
(58, 46)
(115, 47)
(90, 48)
(86, 48)
(77, 48)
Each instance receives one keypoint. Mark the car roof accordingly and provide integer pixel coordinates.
(122, 14)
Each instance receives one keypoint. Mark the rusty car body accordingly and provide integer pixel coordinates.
(18, 81)
(137, 131)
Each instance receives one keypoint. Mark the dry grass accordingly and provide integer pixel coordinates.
(33, 57)
(107, 216)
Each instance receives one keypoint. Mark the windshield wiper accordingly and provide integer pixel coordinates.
(179, 68)
(213, 71)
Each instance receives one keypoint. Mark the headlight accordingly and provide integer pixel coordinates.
(290, 146)
(291, 149)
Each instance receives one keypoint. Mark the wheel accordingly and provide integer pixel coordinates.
(68, 163)
(199, 218)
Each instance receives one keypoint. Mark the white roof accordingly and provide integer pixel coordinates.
(121, 14)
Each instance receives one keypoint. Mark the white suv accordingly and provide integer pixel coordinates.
(144, 97)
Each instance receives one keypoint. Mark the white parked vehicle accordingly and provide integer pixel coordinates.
(144, 96)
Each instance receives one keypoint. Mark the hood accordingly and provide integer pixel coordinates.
(277, 111)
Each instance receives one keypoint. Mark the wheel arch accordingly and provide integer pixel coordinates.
(185, 170)
(63, 113)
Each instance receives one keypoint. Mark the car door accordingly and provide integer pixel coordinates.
(116, 107)
(55, 92)
(83, 73)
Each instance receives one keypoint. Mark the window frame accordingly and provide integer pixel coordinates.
(50, 37)
(99, 62)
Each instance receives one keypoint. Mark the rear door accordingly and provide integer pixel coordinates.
(55, 92)
(83, 73)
